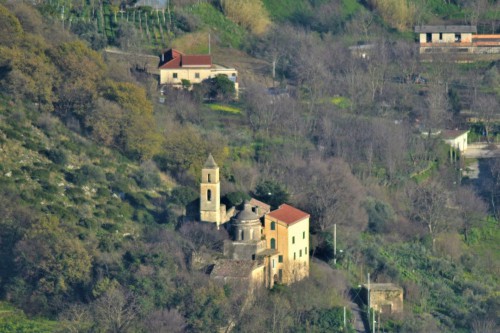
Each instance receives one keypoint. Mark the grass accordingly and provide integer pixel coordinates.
(225, 108)
(229, 33)
(13, 320)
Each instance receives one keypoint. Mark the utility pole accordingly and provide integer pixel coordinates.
(373, 323)
(368, 292)
(335, 244)
(345, 323)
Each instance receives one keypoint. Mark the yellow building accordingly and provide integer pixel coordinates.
(286, 230)
(175, 67)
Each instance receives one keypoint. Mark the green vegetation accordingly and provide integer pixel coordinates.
(99, 182)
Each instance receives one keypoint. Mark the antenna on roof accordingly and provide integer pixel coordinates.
(209, 43)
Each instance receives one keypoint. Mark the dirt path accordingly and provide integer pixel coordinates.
(481, 150)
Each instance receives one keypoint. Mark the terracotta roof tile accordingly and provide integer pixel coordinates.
(172, 59)
(288, 214)
(196, 60)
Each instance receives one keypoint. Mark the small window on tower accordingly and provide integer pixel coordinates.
(293, 240)
(209, 178)
(209, 195)
(303, 235)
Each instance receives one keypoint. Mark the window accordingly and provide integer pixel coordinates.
(273, 243)
(305, 251)
(280, 258)
(209, 195)
(273, 225)
(209, 178)
(458, 38)
(440, 36)
(174, 75)
(294, 256)
(304, 235)
(293, 239)
(273, 263)
(300, 253)
(196, 75)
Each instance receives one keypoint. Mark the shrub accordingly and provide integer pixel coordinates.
(380, 215)
(58, 156)
(250, 14)
(148, 175)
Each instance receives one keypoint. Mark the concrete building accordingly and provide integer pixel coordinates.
(456, 139)
(461, 41)
(383, 297)
(287, 231)
(178, 69)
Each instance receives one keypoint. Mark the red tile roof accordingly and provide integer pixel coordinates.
(172, 59)
(288, 214)
(196, 60)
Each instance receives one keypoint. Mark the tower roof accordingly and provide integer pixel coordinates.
(210, 162)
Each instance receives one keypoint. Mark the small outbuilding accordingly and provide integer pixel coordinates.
(456, 139)
(386, 298)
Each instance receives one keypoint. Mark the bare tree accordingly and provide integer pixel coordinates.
(165, 321)
(487, 107)
(472, 209)
(116, 310)
(429, 207)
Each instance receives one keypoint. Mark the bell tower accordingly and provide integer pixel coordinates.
(210, 208)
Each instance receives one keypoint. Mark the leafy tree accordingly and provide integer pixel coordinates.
(272, 193)
(220, 88)
(50, 259)
(82, 72)
(133, 129)
(325, 320)
(380, 214)
(235, 198)
(88, 32)
(34, 79)
(183, 195)
(10, 27)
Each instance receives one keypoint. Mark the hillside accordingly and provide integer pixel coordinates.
(100, 180)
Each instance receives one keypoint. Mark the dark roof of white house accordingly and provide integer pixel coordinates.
(446, 28)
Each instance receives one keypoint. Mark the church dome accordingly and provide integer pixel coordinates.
(246, 215)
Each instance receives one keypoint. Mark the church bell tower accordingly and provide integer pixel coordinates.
(210, 208)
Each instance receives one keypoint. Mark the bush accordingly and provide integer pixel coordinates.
(86, 174)
(380, 215)
(58, 156)
(148, 175)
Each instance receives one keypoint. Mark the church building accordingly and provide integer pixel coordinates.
(266, 247)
